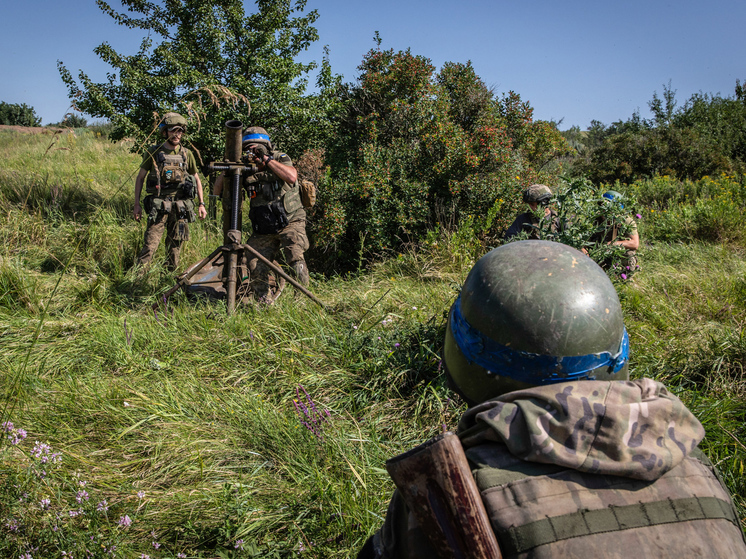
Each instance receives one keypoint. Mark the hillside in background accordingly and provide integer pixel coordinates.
(191, 433)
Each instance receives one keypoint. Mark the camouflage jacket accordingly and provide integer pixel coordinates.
(538, 451)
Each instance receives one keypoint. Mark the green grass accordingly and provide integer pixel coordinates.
(198, 411)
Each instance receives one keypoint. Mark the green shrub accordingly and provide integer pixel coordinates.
(15, 114)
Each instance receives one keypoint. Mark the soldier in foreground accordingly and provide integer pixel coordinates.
(277, 216)
(566, 456)
(172, 181)
(536, 195)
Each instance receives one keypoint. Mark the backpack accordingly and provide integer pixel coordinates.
(307, 193)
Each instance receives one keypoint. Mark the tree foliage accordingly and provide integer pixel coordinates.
(704, 136)
(212, 62)
(416, 148)
(15, 114)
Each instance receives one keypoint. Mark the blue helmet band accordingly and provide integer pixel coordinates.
(523, 366)
(254, 137)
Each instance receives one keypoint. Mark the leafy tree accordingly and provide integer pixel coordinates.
(705, 136)
(415, 148)
(211, 61)
(15, 114)
(72, 120)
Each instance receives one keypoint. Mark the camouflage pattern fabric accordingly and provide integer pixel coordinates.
(635, 429)
(289, 244)
(168, 223)
(583, 469)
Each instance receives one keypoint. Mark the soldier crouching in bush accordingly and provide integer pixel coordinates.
(171, 171)
(563, 455)
(536, 196)
(277, 216)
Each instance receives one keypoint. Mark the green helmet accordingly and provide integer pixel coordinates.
(533, 313)
(170, 120)
(537, 193)
(256, 135)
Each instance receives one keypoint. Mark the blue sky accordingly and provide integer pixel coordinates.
(576, 60)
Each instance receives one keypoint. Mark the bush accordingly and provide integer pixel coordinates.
(417, 149)
(14, 114)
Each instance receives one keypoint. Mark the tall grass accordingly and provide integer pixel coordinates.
(264, 433)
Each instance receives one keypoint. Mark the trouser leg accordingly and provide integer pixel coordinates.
(294, 243)
(267, 246)
(174, 239)
(153, 233)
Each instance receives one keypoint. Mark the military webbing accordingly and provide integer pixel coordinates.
(519, 539)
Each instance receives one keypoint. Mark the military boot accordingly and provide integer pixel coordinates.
(300, 271)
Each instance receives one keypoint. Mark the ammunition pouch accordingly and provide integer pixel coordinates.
(156, 207)
(269, 219)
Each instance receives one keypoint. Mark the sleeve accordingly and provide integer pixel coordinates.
(192, 168)
(283, 158)
(147, 159)
(515, 228)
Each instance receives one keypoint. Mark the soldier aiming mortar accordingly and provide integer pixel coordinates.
(235, 270)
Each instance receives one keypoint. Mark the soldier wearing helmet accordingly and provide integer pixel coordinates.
(536, 195)
(617, 231)
(569, 457)
(172, 182)
(277, 216)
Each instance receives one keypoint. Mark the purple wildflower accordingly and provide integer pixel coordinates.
(7, 426)
(156, 545)
(125, 521)
(239, 545)
(638, 216)
(26, 556)
(310, 417)
(103, 506)
(141, 495)
(144, 556)
(624, 276)
(81, 496)
(397, 344)
(44, 504)
(12, 524)
(181, 555)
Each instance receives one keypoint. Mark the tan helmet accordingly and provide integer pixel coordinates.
(537, 193)
(256, 135)
(171, 120)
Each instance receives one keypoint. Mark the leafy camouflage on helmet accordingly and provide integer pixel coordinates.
(537, 193)
(635, 429)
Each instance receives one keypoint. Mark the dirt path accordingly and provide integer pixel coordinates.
(32, 129)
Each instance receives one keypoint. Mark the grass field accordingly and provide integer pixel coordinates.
(191, 433)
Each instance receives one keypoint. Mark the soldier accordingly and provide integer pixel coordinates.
(569, 457)
(277, 216)
(535, 195)
(171, 171)
(612, 232)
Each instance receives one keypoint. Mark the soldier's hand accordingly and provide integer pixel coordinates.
(202, 212)
(138, 211)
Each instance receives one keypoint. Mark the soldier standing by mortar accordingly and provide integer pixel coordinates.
(277, 216)
(559, 454)
(172, 180)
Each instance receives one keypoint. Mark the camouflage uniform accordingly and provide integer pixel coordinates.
(278, 222)
(584, 469)
(167, 211)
